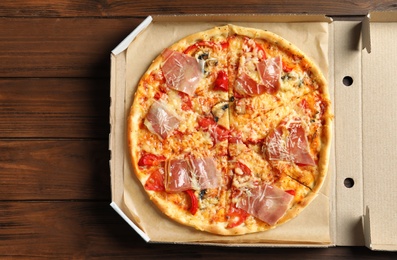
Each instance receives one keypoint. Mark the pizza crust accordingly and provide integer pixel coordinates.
(138, 112)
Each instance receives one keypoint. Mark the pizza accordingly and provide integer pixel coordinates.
(230, 129)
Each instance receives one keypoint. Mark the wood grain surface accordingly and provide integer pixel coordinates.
(121, 8)
(54, 114)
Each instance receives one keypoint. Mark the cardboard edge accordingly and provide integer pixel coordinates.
(126, 42)
(247, 245)
(383, 16)
(128, 220)
(111, 122)
(115, 161)
(235, 17)
(375, 17)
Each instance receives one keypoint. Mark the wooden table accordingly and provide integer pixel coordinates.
(54, 114)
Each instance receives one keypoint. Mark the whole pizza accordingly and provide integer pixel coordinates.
(229, 131)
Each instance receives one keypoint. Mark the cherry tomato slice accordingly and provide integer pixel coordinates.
(222, 81)
(155, 182)
(236, 216)
(150, 159)
(193, 202)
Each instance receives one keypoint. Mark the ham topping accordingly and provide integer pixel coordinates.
(181, 71)
(269, 71)
(264, 202)
(160, 120)
(288, 142)
(187, 174)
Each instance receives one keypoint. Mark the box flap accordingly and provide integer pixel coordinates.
(128, 220)
(375, 17)
(126, 42)
(117, 126)
(370, 230)
(366, 34)
(117, 145)
(385, 16)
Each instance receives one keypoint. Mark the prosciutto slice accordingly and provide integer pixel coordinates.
(247, 86)
(181, 71)
(160, 120)
(197, 174)
(178, 176)
(204, 171)
(288, 142)
(265, 202)
(269, 71)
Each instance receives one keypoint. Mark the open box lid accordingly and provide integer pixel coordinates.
(379, 128)
(364, 124)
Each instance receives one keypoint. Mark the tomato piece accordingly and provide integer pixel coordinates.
(225, 45)
(222, 81)
(261, 52)
(235, 139)
(206, 43)
(237, 95)
(286, 68)
(194, 47)
(206, 122)
(158, 95)
(236, 216)
(253, 45)
(292, 192)
(186, 101)
(150, 159)
(255, 141)
(155, 182)
(244, 168)
(193, 202)
(218, 133)
(304, 104)
(190, 49)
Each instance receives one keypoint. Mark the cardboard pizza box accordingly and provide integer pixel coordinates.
(355, 205)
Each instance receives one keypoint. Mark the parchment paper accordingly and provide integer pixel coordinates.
(312, 226)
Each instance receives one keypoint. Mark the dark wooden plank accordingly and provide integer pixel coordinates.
(54, 170)
(54, 47)
(82, 230)
(111, 8)
(63, 230)
(54, 108)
